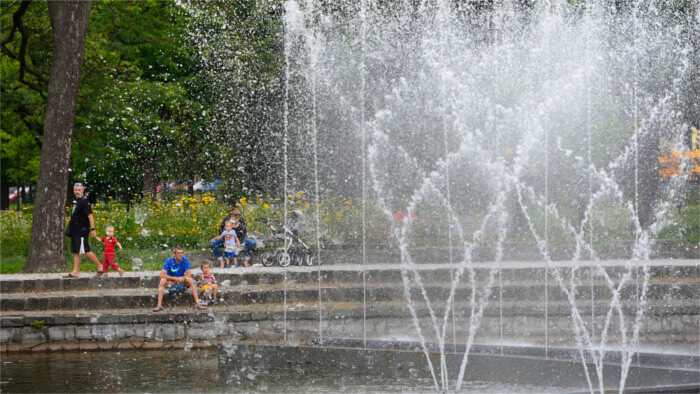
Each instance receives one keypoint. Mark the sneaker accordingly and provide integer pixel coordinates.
(235, 266)
(203, 303)
(228, 266)
(215, 302)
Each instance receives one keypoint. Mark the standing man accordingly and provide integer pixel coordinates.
(176, 277)
(81, 226)
(242, 232)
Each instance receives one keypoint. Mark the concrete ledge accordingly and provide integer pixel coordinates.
(27, 332)
(671, 293)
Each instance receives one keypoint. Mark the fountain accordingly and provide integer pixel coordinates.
(493, 125)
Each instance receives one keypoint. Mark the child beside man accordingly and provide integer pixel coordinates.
(110, 241)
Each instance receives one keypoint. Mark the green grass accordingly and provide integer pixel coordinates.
(12, 265)
(152, 260)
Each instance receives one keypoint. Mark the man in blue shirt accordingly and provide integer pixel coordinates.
(176, 277)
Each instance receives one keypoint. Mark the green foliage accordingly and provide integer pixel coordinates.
(16, 227)
(146, 103)
(22, 103)
(38, 324)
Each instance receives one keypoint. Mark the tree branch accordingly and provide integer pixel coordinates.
(18, 25)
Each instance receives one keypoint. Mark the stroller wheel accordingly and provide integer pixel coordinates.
(268, 260)
(309, 259)
(284, 259)
(298, 259)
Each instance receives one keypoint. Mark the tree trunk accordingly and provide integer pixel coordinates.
(4, 191)
(190, 185)
(18, 197)
(69, 21)
(150, 177)
(648, 178)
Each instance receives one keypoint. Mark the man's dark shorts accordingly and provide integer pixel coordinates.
(176, 288)
(79, 245)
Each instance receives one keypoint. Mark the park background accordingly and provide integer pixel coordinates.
(172, 93)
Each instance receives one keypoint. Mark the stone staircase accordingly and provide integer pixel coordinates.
(44, 312)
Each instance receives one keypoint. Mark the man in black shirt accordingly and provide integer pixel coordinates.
(81, 226)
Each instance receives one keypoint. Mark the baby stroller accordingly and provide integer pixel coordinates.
(289, 247)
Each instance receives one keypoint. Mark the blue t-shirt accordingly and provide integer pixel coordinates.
(174, 269)
(229, 238)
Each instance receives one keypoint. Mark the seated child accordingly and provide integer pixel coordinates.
(110, 241)
(230, 243)
(207, 283)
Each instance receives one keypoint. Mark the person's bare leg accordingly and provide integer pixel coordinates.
(76, 264)
(93, 258)
(193, 289)
(161, 292)
(215, 291)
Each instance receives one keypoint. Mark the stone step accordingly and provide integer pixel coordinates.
(511, 272)
(184, 312)
(664, 289)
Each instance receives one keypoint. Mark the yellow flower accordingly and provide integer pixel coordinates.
(308, 205)
(265, 206)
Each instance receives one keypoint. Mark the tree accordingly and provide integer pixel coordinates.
(26, 43)
(69, 21)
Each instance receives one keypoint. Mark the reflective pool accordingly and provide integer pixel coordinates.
(183, 371)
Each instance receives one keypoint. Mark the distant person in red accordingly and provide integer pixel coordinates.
(401, 215)
(110, 242)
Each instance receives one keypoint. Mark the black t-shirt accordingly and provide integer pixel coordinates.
(241, 230)
(79, 222)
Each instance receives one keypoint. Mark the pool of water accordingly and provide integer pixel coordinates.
(185, 371)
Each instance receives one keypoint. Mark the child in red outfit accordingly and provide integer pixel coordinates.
(110, 242)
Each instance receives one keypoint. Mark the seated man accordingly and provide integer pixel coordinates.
(176, 277)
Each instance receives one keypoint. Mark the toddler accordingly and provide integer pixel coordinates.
(231, 242)
(110, 241)
(207, 283)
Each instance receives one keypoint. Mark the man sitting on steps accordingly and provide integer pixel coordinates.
(176, 277)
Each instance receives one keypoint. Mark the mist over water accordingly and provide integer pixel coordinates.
(499, 122)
